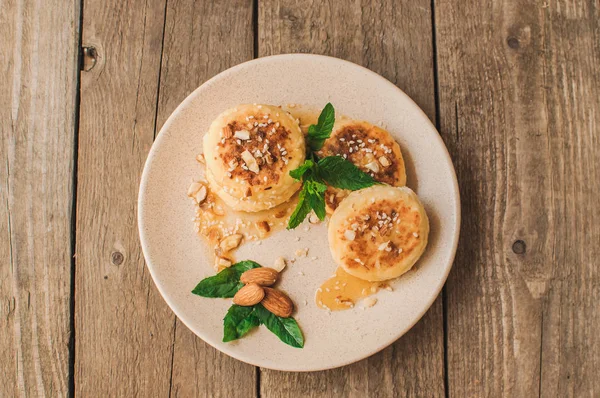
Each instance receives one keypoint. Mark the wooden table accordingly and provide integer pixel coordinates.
(513, 87)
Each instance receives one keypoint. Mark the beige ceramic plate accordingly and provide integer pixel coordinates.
(177, 259)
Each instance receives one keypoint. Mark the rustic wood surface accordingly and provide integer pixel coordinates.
(513, 87)
(519, 90)
(38, 84)
(123, 329)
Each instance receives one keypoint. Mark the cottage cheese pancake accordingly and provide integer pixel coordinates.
(249, 153)
(378, 233)
(370, 148)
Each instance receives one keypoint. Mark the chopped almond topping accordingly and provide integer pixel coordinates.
(349, 234)
(369, 302)
(279, 264)
(242, 134)
(263, 228)
(227, 133)
(201, 195)
(250, 161)
(193, 189)
(373, 166)
(230, 242)
(302, 252)
(383, 246)
(221, 262)
(384, 161)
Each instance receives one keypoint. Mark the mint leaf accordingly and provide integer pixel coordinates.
(341, 173)
(316, 196)
(327, 119)
(311, 197)
(286, 329)
(226, 283)
(317, 203)
(301, 211)
(302, 169)
(317, 134)
(238, 321)
(315, 187)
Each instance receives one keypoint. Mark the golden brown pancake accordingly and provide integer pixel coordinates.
(249, 152)
(370, 148)
(378, 233)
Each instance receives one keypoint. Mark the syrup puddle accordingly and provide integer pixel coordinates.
(215, 220)
(342, 291)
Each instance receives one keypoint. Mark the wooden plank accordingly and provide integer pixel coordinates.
(124, 329)
(392, 38)
(198, 45)
(38, 49)
(519, 92)
(571, 309)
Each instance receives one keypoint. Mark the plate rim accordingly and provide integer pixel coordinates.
(291, 56)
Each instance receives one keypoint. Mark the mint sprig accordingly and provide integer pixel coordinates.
(316, 173)
(240, 320)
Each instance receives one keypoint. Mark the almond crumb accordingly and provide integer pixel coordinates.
(250, 161)
(383, 246)
(230, 242)
(384, 161)
(221, 262)
(193, 188)
(349, 234)
(302, 252)
(242, 135)
(313, 218)
(373, 166)
(279, 264)
(263, 228)
(227, 133)
(200, 195)
(369, 302)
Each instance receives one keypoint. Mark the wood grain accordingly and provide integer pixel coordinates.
(38, 57)
(124, 329)
(519, 88)
(203, 38)
(394, 39)
(571, 310)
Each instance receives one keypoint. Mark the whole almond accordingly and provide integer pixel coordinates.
(277, 302)
(249, 295)
(262, 276)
